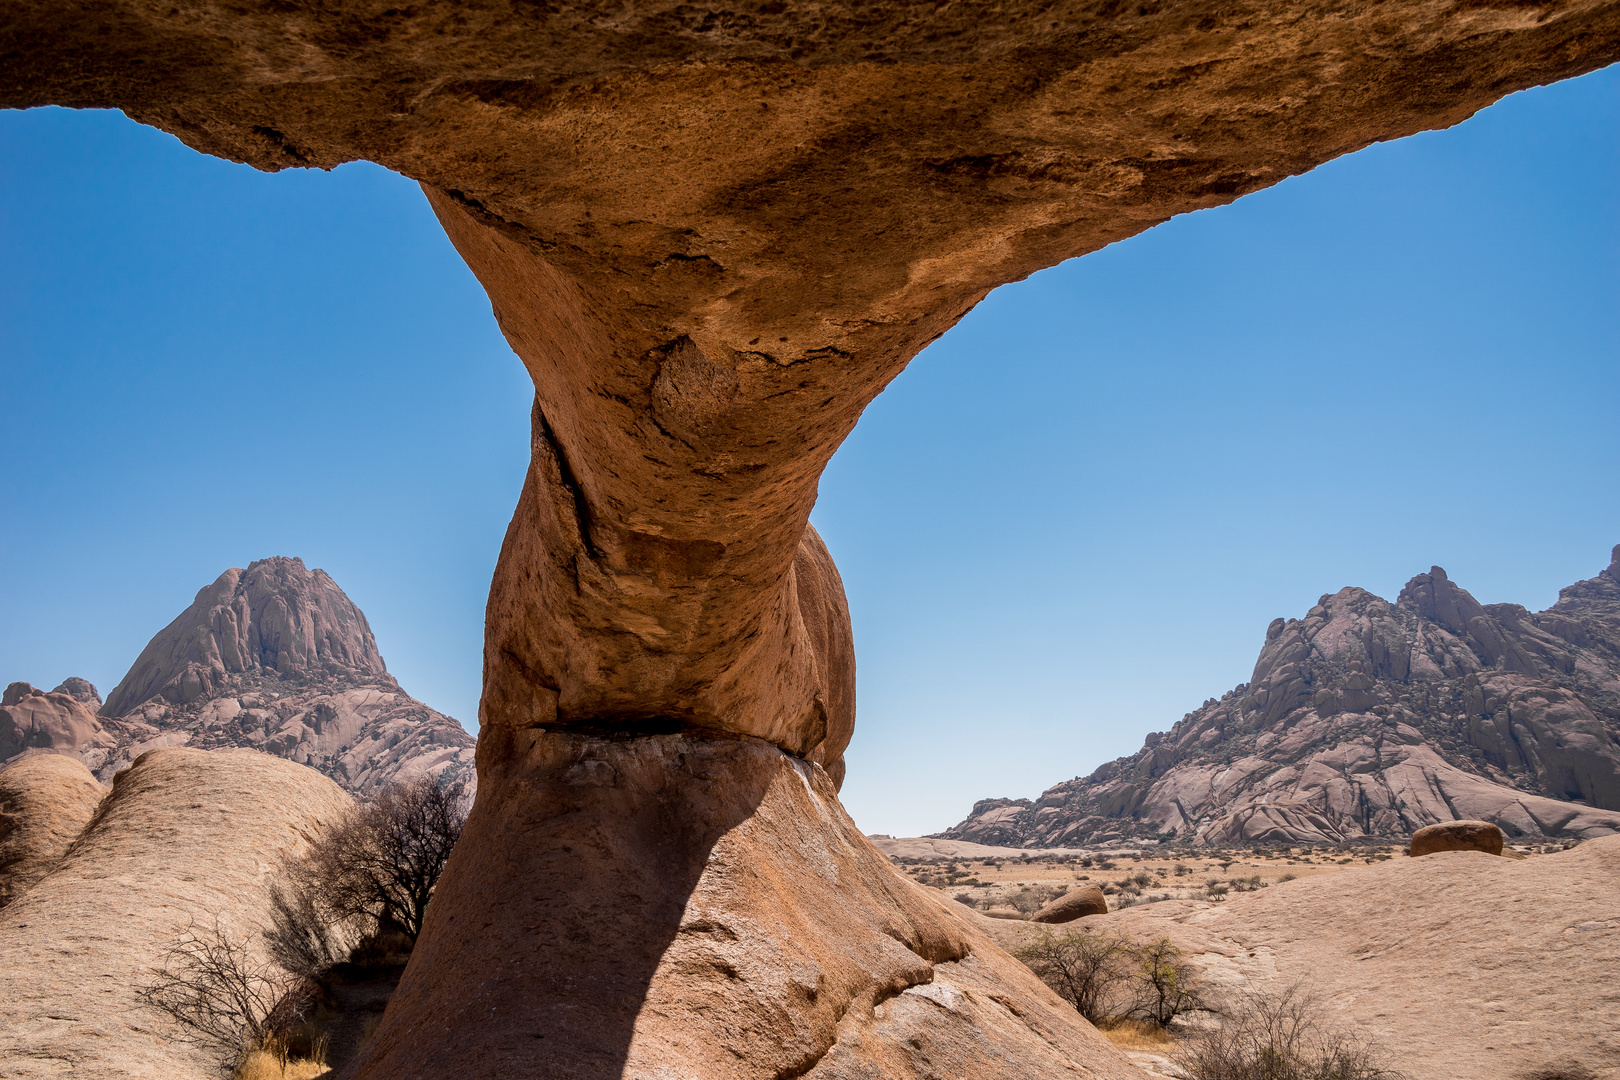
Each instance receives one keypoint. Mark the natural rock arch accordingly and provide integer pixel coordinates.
(713, 235)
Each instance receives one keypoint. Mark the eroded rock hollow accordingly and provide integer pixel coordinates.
(713, 235)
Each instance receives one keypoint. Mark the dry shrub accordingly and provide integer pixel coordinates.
(1109, 979)
(1085, 967)
(1166, 986)
(1139, 1035)
(371, 876)
(1280, 1036)
(221, 995)
(267, 1065)
(1032, 898)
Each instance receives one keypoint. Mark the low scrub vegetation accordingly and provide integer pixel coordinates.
(222, 996)
(360, 895)
(1110, 979)
(1279, 1036)
(1138, 991)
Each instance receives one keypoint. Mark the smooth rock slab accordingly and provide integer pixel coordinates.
(185, 836)
(1470, 967)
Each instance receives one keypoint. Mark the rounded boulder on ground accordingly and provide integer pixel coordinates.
(1456, 836)
(1072, 905)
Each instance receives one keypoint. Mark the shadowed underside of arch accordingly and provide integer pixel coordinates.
(713, 233)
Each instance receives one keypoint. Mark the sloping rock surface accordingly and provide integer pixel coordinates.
(1460, 965)
(45, 802)
(185, 837)
(273, 658)
(1367, 718)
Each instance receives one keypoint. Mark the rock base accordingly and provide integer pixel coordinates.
(671, 906)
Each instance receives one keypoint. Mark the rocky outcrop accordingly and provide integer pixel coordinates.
(274, 658)
(58, 721)
(1367, 718)
(1456, 836)
(185, 838)
(713, 237)
(1466, 967)
(1072, 905)
(45, 802)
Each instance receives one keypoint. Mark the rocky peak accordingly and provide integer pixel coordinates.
(1366, 718)
(1435, 597)
(276, 618)
(273, 658)
(1595, 597)
(80, 690)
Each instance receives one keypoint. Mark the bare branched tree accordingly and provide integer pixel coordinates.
(223, 997)
(305, 937)
(1280, 1036)
(383, 863)
(1087, 968)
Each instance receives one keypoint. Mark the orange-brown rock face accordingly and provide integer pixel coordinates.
(713, 236)
(699, 907)
(1456, 836)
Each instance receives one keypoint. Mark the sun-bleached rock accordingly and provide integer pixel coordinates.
(1524, 950)
(45, 802)
(1368, 718)
(1456, 836)
(1072, 905)
(185, 838)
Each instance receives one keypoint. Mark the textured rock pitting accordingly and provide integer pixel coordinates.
(1367, 718)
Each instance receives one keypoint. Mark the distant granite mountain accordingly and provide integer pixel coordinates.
(1372, 719)
(273, 658)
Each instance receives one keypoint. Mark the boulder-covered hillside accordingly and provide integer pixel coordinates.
(1372, 719)
(274, 658)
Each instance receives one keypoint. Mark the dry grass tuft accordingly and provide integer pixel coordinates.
(1138, 1035)
(264, 1065)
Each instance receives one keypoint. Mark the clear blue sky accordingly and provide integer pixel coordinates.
(1066, 525)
